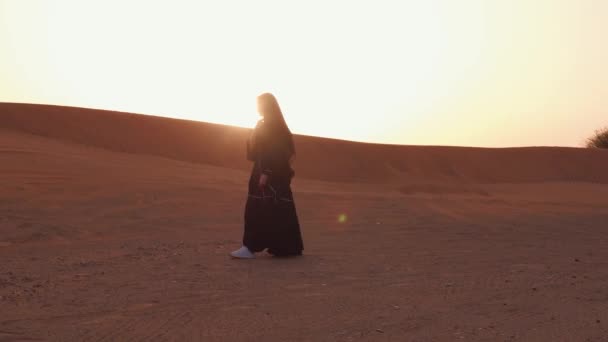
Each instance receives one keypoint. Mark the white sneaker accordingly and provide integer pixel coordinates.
(243, 253)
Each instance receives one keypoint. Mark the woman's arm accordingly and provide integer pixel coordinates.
(267, 166)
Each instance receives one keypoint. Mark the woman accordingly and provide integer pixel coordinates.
(271, 221)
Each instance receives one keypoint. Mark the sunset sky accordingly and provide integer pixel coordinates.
(434, 72)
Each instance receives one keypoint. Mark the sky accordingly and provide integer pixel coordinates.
(491, 73)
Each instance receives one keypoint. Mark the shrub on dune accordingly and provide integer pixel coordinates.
(599, 139)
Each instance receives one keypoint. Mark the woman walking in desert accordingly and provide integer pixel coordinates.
(271, 221)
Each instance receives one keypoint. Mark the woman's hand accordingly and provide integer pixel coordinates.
(263, 181)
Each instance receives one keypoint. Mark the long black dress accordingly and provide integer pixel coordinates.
(271, 221)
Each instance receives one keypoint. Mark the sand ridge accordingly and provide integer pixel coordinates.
(318, 158)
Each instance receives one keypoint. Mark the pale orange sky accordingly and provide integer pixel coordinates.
(433, 72)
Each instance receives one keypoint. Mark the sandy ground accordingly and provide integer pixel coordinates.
(103, 245)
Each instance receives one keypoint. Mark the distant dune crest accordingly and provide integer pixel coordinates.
(317, 158)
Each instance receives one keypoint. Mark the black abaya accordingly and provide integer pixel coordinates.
(271, 220)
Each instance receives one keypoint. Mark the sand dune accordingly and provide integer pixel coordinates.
(117, 227)
(323, 159)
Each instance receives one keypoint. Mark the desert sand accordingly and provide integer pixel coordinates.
(117, 227)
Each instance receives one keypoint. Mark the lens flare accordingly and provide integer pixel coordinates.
(342, 218)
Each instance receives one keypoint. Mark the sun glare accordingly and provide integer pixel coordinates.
(425, 72)
(208, 62)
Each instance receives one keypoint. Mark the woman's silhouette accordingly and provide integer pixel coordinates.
(271, 221)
